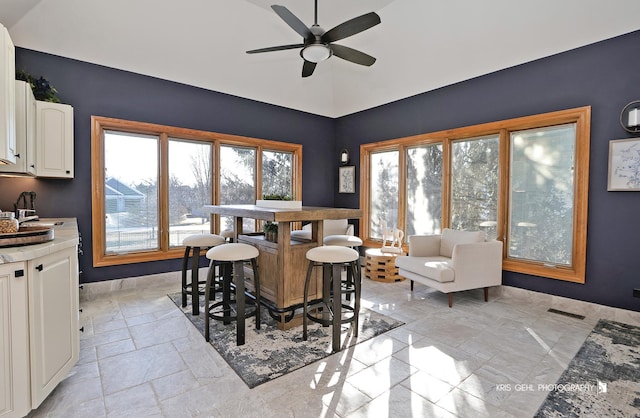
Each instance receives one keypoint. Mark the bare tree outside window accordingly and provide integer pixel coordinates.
(384, 192)
(237, 182)
(189, 188)
(277, 173)
(424, 190)
(475, 178)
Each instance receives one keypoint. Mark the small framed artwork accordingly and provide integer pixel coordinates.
(347, 179)
(624, 165)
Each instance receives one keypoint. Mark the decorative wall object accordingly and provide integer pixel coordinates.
(624, 165)
(347, 179)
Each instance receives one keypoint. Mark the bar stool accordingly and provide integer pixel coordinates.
(195, 243)
(231, 258)
(350, 241)
(330, 308)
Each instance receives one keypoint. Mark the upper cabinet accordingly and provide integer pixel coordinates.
(7, 103)
(54, 140)
(25, 132)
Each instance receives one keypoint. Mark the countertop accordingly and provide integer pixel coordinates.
(306, 213)
(64, 236)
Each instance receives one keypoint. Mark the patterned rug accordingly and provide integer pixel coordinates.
(603, 379)
(269, 352)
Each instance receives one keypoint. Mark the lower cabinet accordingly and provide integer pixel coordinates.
(14, 341)
(40, 329)
(53, 320)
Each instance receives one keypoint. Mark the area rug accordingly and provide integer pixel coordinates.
(269, 352)
(602, 379)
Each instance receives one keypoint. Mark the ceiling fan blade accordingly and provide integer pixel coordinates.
(352, 55)
(291, 20)
(307, 68)
(275, 48)
(351, 27)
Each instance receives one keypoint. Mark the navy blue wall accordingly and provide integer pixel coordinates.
(97, 90)
(605, 76)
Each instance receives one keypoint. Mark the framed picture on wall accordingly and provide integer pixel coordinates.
(624, 165)
(347, 179)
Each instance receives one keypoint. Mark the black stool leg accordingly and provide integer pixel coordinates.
(356, 308)
(238, 278)
(306, 300)
(226, 291)
(185, 261)
(256, 284)
(195, 266)
(207, 293)
(336, 303)
(326, 293)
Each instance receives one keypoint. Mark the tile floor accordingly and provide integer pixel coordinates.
(141, 357)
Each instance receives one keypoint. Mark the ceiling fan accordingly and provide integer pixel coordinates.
(318, 45)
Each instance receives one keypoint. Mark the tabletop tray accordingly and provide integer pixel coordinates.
(27, 235)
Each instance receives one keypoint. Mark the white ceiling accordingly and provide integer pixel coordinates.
(420, 45)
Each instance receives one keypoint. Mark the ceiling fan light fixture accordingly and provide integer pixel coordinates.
(316, 52)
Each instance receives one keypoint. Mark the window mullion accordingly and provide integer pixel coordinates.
(163, 193)
(402, 185)
(446, 183)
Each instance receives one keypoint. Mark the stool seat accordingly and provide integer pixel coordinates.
(332, 254)
(233, 252)
(195, 242)
(343, 240)
(203, 240)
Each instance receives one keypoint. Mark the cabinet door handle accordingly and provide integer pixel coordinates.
(19, 273)
(39, 267)
(17, 155)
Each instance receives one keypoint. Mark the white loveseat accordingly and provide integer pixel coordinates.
(453, 261)
(329, 227)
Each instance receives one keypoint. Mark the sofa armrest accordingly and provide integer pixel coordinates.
(479, 261)
(424, 245)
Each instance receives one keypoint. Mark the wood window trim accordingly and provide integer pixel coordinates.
(99, 124)
(581, 116)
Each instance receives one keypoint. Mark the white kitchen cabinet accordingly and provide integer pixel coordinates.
(7, 101)
(54, 140)
(39, 335)
(25, 131)
(15, 400)
(53, 320)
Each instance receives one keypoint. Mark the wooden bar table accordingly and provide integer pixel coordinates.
(282, 266)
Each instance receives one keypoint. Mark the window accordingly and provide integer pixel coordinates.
(475, 172)
(424, 190)
(524, 181)
(384, 191)
(150, 183)
(541, 194)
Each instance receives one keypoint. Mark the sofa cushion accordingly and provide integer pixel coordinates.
(435, 268)
(451, 237)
